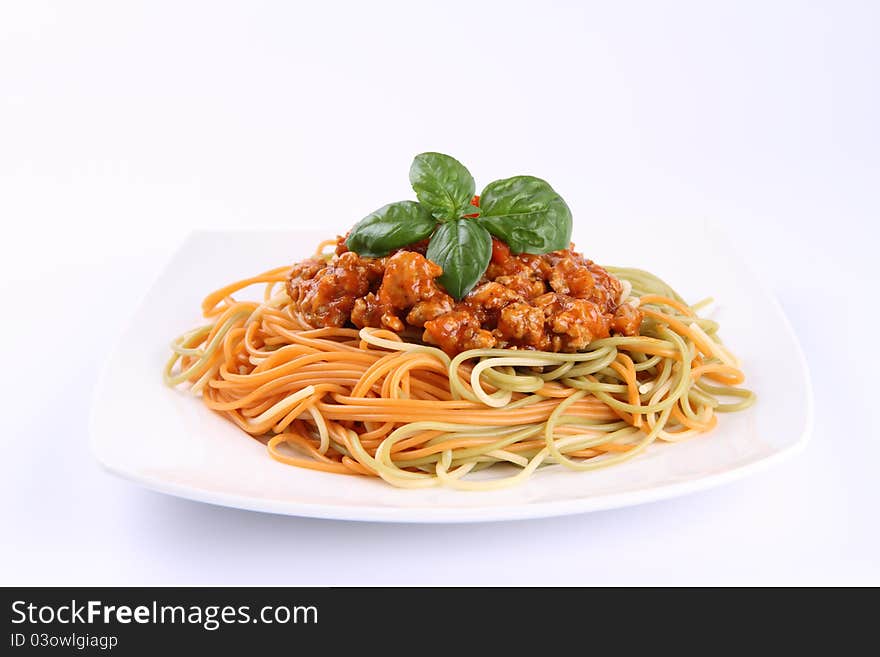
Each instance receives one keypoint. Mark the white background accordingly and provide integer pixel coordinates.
(123, 125)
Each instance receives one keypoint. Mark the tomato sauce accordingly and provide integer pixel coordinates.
(558, 301)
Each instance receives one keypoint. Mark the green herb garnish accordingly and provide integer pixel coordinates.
(522, 211)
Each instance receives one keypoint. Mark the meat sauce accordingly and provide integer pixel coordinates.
(558, 301)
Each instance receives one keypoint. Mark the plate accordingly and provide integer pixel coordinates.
(166, 440)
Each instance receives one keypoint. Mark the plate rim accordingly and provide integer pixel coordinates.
(449, 514)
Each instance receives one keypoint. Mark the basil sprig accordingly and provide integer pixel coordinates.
(523, 211)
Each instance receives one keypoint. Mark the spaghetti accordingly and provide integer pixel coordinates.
(372, 402)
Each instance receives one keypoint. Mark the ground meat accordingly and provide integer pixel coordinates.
(487, 300)
(524, 286)
(627, 320)
(326, 298)
(607, 289)
(367, 311)
(307, 269)
(458, 331)
(558, 301)
(573, 323)
(569, 277)
(409, 278)
(522, 324)
(524, 272)
(407, 289)
(424, 311)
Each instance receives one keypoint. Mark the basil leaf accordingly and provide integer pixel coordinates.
(462, 248)
(442, 184)
(390, 227)
(527, 213)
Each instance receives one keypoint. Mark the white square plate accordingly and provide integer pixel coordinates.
(167, 440)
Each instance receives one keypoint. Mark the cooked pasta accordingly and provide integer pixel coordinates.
(368, 402)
